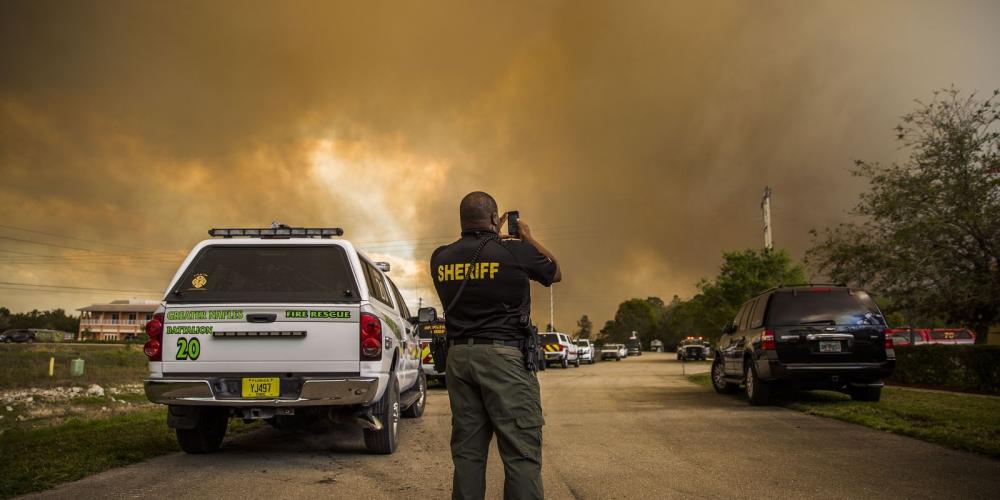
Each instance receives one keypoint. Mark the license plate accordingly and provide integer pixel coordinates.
(829, 346)
(261, 387)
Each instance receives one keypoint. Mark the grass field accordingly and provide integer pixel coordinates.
(40, 459)
(27, 365)
(49, 436)
(963, 421)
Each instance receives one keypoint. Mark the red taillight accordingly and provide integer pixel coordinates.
(153, 349)
(371, 337)
(890, 349)
(767, 341)
(562, 347)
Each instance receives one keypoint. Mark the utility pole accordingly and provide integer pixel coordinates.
(420, 303)
(765, 207)
(552, 307)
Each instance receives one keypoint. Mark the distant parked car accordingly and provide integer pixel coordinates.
(20, 336)
(952, 336)
(634, 346)
(612, 351)
(585, 350)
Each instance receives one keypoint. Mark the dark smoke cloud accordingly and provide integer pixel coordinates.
(635, 136)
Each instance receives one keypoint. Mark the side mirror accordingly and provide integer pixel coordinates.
(382, 266)
(427, 315)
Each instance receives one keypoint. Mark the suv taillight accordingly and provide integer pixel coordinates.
(767, 341)
(371, 337)
(153, 349)
(890, 349)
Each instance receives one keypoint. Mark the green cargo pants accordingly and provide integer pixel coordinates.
(492, 392)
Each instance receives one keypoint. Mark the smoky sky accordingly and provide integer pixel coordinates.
(635, 137)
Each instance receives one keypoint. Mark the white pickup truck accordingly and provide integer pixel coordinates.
(283, 324)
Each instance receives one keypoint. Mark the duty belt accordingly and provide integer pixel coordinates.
(475, 341)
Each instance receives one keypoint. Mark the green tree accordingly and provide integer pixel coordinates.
(642, 316)
(928, 234)
(743, 274)
(584, 327)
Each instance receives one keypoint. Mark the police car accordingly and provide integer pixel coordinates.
(288, 325)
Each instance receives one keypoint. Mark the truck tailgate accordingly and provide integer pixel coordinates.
(300, 338)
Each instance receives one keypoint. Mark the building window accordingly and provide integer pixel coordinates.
(131, 318)
(114, 318)
(149, 316)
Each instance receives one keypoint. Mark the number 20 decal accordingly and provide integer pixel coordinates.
(188, 349)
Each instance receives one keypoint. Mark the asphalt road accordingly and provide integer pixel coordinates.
(629, 429)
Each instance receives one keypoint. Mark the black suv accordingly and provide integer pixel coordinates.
(805, 337)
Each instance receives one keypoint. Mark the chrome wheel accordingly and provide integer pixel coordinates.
(395, 419)
(718, 375)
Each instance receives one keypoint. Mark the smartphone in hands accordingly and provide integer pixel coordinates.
(512, 228)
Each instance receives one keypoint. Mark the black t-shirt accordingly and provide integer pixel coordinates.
(497, 293)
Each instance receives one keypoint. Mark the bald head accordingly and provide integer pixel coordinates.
(477, 211)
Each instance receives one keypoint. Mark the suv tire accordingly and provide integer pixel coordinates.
(416, 410)
(207, 434)
(872, 394)
(577, 364)
(565, 362)
(386, 410)
(758, 391)
(719, 382)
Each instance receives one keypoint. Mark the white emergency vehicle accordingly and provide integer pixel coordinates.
(288, 325)
(558, 348)
(427, 333)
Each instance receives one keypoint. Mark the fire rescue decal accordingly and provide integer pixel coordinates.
(553, 347)
(304, 314)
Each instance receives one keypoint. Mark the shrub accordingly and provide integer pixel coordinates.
(969, 367)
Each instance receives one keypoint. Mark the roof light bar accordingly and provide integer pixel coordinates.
(280, 232)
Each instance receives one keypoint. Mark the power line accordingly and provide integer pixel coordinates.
(10, 283)
(47, 291)
(68, 237)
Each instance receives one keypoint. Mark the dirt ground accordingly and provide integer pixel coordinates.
(630, 429)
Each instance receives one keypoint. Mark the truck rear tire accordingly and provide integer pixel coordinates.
(386, 410)
(564, 363)
(577, 364)
(207, 434)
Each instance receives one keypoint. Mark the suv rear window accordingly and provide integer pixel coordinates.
(549, 338)
(836, 307)
(270, 273)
